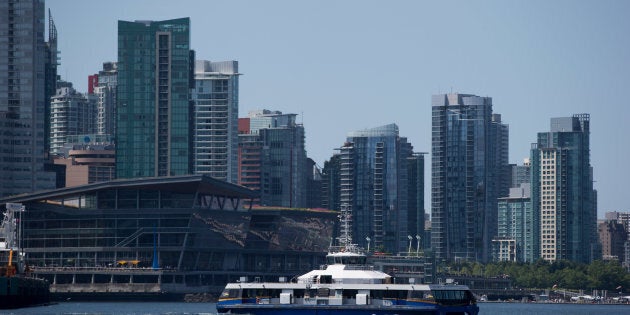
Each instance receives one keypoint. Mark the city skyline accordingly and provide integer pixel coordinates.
(355, 65)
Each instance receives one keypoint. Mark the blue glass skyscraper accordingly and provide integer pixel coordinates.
(155, 75)
(26, 62)
(374, 182)
(469, 162)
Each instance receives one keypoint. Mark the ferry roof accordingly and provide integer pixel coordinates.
(364, 286)
(339, 272)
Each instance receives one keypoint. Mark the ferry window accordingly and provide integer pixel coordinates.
(350, 294)
(395, 294)
(451, 296)
(416, 294)
(231, 293)
(322, 292)
(350, 261)
(252, 293)
(377, 294)
(312, 293)
(298, 294)
(325, 279)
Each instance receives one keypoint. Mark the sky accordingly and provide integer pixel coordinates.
(349, 65)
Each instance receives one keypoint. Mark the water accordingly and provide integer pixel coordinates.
(551, 309)
(171, 308)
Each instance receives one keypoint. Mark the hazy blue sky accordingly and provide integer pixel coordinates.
(349, 65)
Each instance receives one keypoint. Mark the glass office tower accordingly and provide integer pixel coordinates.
(469, 162)
(153, 131)
(23, 103)
(375, 188)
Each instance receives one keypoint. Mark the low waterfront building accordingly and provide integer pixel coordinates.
(164, 236)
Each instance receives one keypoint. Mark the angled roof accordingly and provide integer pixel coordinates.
(188, 183)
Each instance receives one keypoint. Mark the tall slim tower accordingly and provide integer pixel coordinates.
(50, 73)
(105, 91)
(375, 187)
(563, 198)
(216, 119)
(468, 160)
(155, 75)
(23, 98)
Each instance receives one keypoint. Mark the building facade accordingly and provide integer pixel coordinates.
(515, 240)
(375, 188)
(87, 159)
(313, 185)
(105, 92)
(520, 174)
(71, 114)
(23, 102)
(153, 125)
(415, 202)
(331, 183)
(50, 75)
(469, 158)
(215, 136)
(275, 141)
(249, 158)
(613, 237)
(562, 191)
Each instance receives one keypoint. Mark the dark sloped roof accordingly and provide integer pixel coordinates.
(188, 183)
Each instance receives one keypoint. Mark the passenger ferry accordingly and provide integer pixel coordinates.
(345, 285)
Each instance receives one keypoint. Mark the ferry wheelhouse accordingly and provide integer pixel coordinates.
(346, 285)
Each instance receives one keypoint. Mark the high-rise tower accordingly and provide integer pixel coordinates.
(73, 114)
(155, 75)
(105, 92)
(374, 176)
(469, 146)
(23, 98)
(563, 198)
(215, 99)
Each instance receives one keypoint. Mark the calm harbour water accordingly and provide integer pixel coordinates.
(171, 308)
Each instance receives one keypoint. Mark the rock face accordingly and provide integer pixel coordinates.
(199, 298)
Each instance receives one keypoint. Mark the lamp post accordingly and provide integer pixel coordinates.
(418, 245)
(410, 239)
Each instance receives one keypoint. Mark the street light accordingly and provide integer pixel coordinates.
(410, 239)
(418, 245)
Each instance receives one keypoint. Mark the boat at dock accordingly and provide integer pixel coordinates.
(18, 288)
(345, 285)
